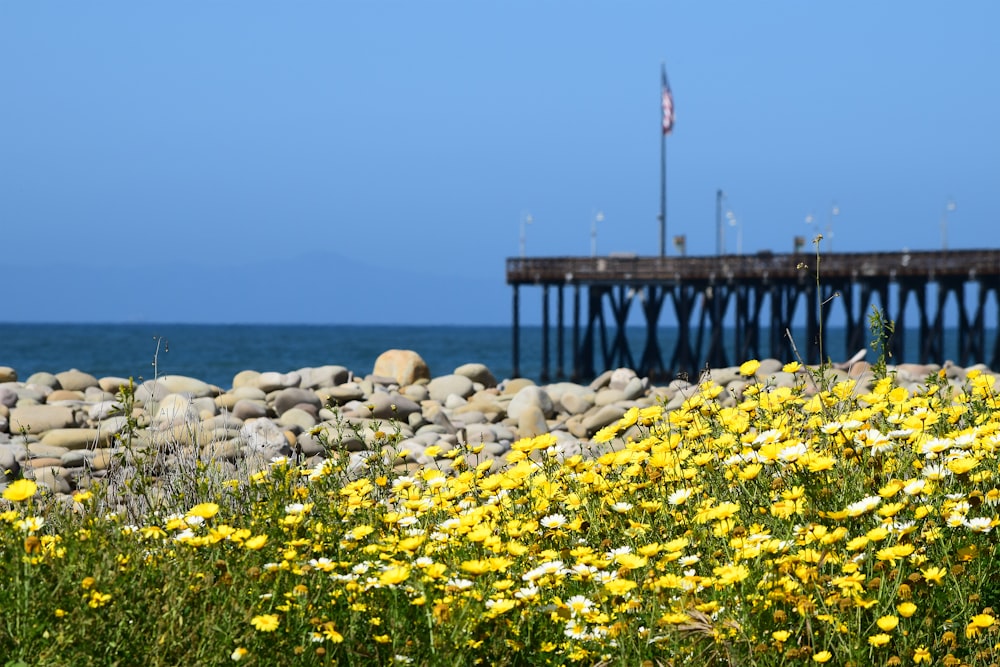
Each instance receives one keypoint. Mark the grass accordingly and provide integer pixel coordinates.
(827, 525)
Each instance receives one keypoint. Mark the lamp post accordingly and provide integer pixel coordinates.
(720, 234)
(526, 219)
(834, 212)
(593, 232)
(733, 222)
(811, 221)
(949, 207)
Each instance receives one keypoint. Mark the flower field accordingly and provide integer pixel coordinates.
(823, 524)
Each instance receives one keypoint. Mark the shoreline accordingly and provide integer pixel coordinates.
(64, 429)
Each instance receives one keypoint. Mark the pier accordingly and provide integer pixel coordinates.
(750, 298)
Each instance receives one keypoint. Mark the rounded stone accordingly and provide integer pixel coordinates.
(271, 381)
(404, 366)
(286, 399)
(43, 380)
(248, 409)
(75, 438)
(176, 409)
(8, 374)
(442, 387)
(477, 373)
(530, 396)
(245, 379)
(40, 418)
(76, 380)
(297, 417)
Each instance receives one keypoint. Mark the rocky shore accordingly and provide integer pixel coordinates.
(63, 429)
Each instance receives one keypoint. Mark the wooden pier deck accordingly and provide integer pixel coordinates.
(748, 295)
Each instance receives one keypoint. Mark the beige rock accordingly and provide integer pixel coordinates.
(75, 438)
(75, 380)
(405, 366)
(8, 374)
(40, 418)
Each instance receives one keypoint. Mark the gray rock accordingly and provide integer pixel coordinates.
(601, 417)
(323, 376)
(442, 387)
(271, 381)
(528, 396)
(285, 399)
(248, 409)
(477, 373)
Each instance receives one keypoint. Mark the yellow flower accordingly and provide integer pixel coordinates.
(749, 368)
(394, 575)
(822, 656)
(982, 620)
(880, 639)
(781, 636)
(204, 510)
(906, 609)
(934, 575)
(921, 654)
(791, 367)
(887, 623)
(239, 654)
(255, 543)
(20, 490)
(266, 622)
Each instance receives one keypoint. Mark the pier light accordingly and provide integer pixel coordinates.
(834, 212)
(526, 220)
(593, 232)
(949, 208)
(733, 222)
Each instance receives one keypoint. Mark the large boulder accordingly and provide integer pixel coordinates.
(404, 366)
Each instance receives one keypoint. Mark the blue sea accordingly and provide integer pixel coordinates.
(215, 353)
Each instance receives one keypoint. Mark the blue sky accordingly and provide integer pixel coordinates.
(370, 162)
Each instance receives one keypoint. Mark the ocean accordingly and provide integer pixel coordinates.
(215, 353)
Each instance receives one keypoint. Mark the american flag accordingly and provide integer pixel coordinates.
(668, 104)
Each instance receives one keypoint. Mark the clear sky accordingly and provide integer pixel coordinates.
(371, 162)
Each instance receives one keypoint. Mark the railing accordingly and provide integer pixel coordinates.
(799, 266)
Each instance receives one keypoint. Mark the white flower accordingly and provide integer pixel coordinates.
(579, 605)
(460, 584)
(621, 507)
(863, 505)
(679, 497)
(980, 524)
(553, 521)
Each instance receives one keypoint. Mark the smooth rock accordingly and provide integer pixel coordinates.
(249, 409)
(297, 417)
(40, 418)
(404, 366)
(341, 394)
(76, 380)
(285, 399)
(75, 438)
(528, 396)
(442, 387)
(112, 384)
(477, 373)
(57, 478)
(272, 381)
(8, 396)
(323, 376)
(246, 379)
(43, 380)
(601, 417)
(8, 374)
(176, 409)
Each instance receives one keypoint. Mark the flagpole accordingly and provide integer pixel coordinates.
(667, 120)
(663, 194)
